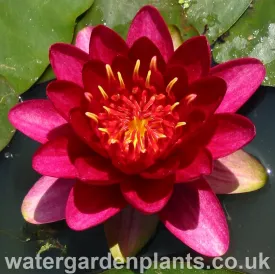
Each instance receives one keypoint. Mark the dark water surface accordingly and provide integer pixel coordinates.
(251, 216)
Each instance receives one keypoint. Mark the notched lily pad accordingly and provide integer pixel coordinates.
(8, 99)
(214, 17)
(28, 28)
(254, 36)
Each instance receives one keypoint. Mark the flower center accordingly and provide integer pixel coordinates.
(136, 120)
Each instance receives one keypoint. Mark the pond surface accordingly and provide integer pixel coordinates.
(251, 216)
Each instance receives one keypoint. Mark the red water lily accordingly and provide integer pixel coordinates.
(137, 123)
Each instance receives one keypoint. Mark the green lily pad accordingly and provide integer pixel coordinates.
(165, 268)
(117, 14)
(8, 98)
(214, 17)
(27, 29)
(253, 35)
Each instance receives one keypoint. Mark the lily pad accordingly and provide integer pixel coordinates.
(27, 29)
(214, 17)
(253, 35)
(164, 268)
(117, 14)
(8, 99)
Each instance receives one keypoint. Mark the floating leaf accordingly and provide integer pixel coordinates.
(28, 28)
(253, 35)
(214, 17)
(129, 231)
(117, 14)
(8, 99)
(237, 173)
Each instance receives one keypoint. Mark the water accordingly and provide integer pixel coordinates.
(251, 216)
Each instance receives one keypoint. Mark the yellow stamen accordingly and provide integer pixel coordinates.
(147, 83)
(121, 82)
(153, 63)
(107, 109)
(191, 97)
(92, 116)
(88, 96)
(136, 70)
(103, 93)
(161, 136)
(110, 72)
(105, 130)
(171, 84)
(180, 124)
(174, 105)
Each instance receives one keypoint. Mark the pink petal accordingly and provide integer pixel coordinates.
(162, 168)
(129, 231)
(195, 216)
(149, 23)
(97, 170)
(148, 196)
(53, 159)
(195, 56)
(243, 77)
(89, 205)
(83, 39)
(67, 62)
(46, 201)
(65, 96)
(38, 120)
(237, 173)
(195, 167)
(232, 132)
(105, 45)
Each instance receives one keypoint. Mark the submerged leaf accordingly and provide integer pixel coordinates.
(237, 173)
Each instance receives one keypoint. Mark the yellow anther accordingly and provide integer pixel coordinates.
(107, 109)
(105, 130)
(103, 93)
(92, 116)
(153, 63)
(147, 83)
(161, 136)
(171, 84)
(180, 124)
(174, 105)
(88, 96)
(121, 82)
(189, 98)
(136, 70)
(110, 72)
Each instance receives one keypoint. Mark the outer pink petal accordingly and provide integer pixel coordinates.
(97, 170)
(89, 205)
(201, 164)
(38, 120)
(237, 173)
(232, 132)
(65, 96)
(195, 216)
(195, 56)
(243, 77)
(105, 45)
(53, 159)
(83, 38)
(67, 62)
(149, 23)
(148, 196)
(46, 201)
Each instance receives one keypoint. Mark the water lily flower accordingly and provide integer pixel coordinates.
(136, 123)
